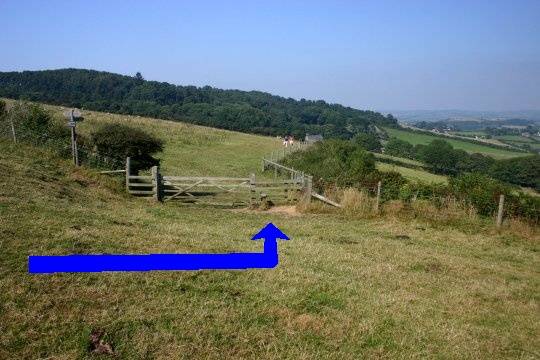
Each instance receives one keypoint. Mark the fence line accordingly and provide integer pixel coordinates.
(271, 162)
(212, 190)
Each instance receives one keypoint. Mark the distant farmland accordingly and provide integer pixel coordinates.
(424, 139)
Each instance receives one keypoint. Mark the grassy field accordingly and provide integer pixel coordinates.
(416, 138)
(398, 159)
(515, 138)
(190, 150)
(470, 133)
(345, 288)
(409, 173)
(413, 174)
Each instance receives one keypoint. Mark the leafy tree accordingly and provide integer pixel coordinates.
(524, 171)
(400, 148)
(139, 78)
(116, 142)
(475, 163)
(440, 156)
(368, 142)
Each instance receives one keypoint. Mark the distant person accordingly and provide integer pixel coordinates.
(286, 141)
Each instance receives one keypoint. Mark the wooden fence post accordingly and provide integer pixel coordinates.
(128, 172)
(378, 200)
(501, 210)
(308, 188)
(156, 181)
(252, 189)
(13, 129)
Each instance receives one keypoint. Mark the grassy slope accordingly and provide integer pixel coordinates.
(190, 150)
(344, 288)
(415, 138)
(193, 150)
(413, 174)
(399, 159)
(407, 172)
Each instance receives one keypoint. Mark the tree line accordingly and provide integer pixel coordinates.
(441, 158)
(245, 111)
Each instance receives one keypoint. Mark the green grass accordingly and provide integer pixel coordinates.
(192, 150)
(413, 174)
(344, 288)
(407, 170)
(398, 159)
(416, 138)
(515, 138)
(469, 133)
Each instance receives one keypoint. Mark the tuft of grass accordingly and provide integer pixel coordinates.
(357, 203)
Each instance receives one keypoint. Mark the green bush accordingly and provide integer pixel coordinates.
(479, 190)
(33, 124)
(369, 142)
(116, 142)
(399, 148)
(338, 162)
(524, 171)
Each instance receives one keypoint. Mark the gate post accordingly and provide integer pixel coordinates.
(501, 210)
(378, 200)
(252, 186)
(308, 188)
(156, 181)
(128, 172)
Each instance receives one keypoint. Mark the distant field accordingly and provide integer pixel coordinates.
(469, 133)
(400, 159)
(416, 138)
(413, 174)
(515, 138)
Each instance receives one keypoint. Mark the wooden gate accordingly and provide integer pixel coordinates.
(226, 191)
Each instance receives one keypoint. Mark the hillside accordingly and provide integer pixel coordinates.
(193, 150)
(344, 288)
(190, 150)
(469, 146)
(252, 112)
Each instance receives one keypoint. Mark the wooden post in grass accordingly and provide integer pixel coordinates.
(378, 200)
(156, 182)
(128, 172)
(13, 128)
(252, 190)
(501, 210)
(308, 188)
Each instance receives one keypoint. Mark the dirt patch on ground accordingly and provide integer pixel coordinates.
(289, 210)
(286, 210)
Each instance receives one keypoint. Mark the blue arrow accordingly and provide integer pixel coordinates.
(44, 264)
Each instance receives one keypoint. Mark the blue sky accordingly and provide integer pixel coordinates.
(475, 55)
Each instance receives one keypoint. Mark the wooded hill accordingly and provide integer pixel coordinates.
(246, 111)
